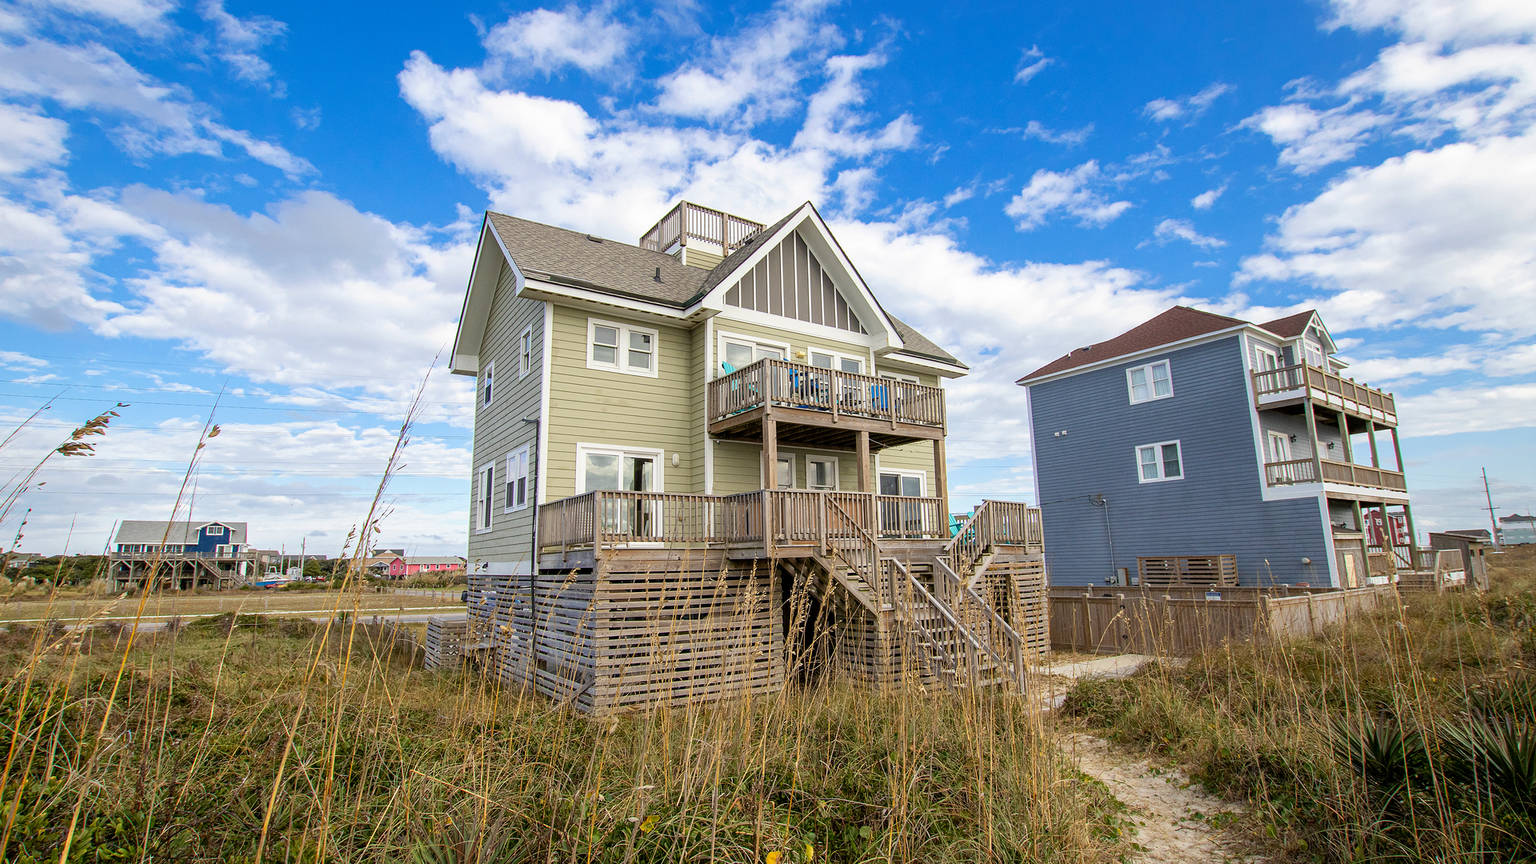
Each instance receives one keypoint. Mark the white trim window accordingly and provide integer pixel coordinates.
(630, 469)
(911, 484)
(1156, 463)
(784, 475)
(1149, 382)
(485, 495)
(622, 348)
(821, 473)
(515, 496)
(1279, 446)
(1266, 357)
(742, 351)
(487, 378)
(823, 359)
(214, 530)
(525, 353)
(903, 377)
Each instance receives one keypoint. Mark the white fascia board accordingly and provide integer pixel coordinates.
(944, 370)
(827, 250)
(1137, 355)
(478, 297)
(538, 289)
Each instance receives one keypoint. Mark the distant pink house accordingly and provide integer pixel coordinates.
(402, 566)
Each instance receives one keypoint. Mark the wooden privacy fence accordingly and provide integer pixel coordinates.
(1185, 621)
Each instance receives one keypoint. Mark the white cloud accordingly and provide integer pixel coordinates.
(157, 118)
(18, 360)
(548, 40)
(755, 72)
(1205, 199)
(1069, 191)
(1038, 131)
(832, 125)
(240, 40)
(147, 17)
(1032, 63)
(1311, 139)
(1449, 21)
(1462, 408)
(1443, 238)
(1183, 229)
(29, 139)
(1190, 107)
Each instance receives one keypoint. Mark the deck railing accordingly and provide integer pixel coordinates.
(837, 393)
(1294, 471)
(1329, 387)
(690, 222)
(994, 523)
(790, 517)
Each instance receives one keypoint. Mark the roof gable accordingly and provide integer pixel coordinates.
(1174, 325)
(790, 282)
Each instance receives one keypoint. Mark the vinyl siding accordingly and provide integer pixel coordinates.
(499, 428)
(738, 467)
(917, 455)
(599, 406)
(1218, 507)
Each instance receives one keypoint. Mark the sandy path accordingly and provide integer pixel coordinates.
(1171, 815)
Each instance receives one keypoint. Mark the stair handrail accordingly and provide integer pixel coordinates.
(869, 546)
(969, 545)
(948, 615)
(1016, 643)
(1000, 625)
(934, 644)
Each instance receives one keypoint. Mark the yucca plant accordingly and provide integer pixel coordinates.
(1387, 756)
(1495, 757)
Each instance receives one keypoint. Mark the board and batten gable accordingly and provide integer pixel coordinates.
(499, 427)
(618, 409)
(1217, 508)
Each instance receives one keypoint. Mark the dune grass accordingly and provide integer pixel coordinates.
(1349, 746)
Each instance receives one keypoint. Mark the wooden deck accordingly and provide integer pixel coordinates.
(823, 407)
(1301, 382)
(656, 598)
(1294, 471)
(690, 224)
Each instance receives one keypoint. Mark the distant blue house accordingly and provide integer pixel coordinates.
(1195, 435)
(181, 554)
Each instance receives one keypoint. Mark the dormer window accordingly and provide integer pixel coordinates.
(214, 530)
(1149, 382)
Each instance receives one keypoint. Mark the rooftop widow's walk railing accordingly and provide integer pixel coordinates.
(834, 392)
(690, 222)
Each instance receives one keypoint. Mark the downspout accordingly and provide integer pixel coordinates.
(533, 559)
(1100, 501)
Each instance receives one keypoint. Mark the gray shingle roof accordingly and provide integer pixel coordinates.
(152, 531)
(581, 260)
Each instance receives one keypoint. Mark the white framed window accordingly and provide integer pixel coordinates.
(836, 360)
(621, 348)
(821, 473)
(1314, 351)
(632, 469)
(525, 353)
(487, 378)
(1279, 447)
(485, 493)
(902, 377)
(515, 496)
(1266, 358)
(784, 473)
(223, 550)
(1149, 382)
(904, 483)
(738, 352)
(214, 530)
(1158, 462)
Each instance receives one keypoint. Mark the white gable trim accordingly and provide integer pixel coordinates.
(826, 249)
(476, 314)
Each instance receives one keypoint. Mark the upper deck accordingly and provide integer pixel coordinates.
(823, 407)
(1287, 385)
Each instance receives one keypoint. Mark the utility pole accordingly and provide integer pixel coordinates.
(1493, 523)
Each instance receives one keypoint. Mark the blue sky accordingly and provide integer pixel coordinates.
(279, 202)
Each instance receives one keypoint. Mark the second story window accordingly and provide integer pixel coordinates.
(1149, 382)
(1158, 462)
(621, 348)
(486, 380)
(485, 492)
(516, 497)
(525, 353)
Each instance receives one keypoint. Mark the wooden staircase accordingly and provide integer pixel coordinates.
(950, 635)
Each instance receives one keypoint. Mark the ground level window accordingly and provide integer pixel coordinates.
(1161, 461)
(821, 473)
(784, 474)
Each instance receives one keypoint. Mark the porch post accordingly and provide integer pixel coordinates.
(1349, 451)
(1370, 430)
(941, 481)
(1397, 453)
(861, 450)
(1317, 458)
(770, 453)
(1413, 538)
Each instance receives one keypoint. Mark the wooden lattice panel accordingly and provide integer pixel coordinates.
(1187, 570)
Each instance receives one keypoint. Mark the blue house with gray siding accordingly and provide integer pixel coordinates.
(1195, 435)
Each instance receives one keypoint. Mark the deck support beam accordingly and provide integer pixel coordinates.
(770, 453)
(862, 451)
(941, 479)
(1370, 431)
(1317, 458)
